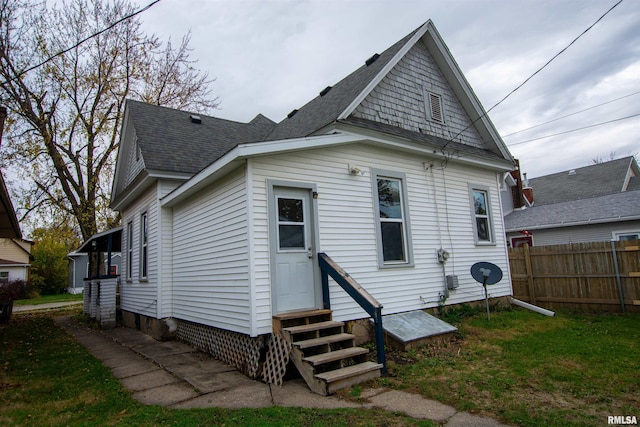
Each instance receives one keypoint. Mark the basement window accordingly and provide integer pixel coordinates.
(434, 107)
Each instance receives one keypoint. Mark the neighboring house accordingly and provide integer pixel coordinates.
(223, 221)
(79, 269)
(15, 252)
(15, 259)
(600, 202)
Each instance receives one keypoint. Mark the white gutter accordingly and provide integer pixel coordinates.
(243, 151)
(532, 307)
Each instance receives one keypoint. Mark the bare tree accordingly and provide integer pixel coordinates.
(65, 110)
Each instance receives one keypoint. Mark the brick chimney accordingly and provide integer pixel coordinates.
(516, 191)
(527, 191)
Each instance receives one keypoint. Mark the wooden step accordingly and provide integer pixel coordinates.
(332, 356)
(329, 339)
(313, 327)
(351, 375)
(299, 314)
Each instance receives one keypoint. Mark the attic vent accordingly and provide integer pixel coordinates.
(372, 59)
(325, 91)
(291, 114)
(572, 172)
(435, 107)
(195, 119)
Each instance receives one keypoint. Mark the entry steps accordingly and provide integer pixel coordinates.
(323, 353)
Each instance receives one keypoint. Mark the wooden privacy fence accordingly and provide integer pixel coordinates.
(587, 277)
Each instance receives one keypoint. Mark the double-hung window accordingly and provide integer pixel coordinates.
(143, 245)
(392, 219)
(481, 214)
(129, 250)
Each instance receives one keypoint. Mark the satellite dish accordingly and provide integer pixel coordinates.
(487, 274)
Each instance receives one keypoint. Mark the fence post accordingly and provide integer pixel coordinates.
(529, 270)
(615, 265)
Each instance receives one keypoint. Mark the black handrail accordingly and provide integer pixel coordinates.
(328, 267)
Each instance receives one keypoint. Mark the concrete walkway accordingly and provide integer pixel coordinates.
(176, 375)
(46, 306)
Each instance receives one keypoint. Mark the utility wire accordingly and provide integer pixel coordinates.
(575, 130)
(569, 115)
(62, 52)
(536, 72)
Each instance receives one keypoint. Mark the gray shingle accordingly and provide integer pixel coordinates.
(589, 181)
(619, 206)
(323, 110)
(169, 141)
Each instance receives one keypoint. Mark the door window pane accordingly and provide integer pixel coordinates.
(291, 223)
(290, 210)
(291, 236)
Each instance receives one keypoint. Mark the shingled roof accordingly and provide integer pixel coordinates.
(173, 142)
(620, 206)
(325, 109)
(581, 183)
(170, 140)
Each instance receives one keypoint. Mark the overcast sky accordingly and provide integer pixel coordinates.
(273, 56)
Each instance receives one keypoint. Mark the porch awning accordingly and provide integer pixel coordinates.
(106, 241)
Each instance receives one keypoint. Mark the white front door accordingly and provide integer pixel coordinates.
(292, 250)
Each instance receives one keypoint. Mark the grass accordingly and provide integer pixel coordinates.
(531, 370)
(520, 367)
(47, 378)
(48, 298)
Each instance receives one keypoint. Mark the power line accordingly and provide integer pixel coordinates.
(575, 130)
(62, 52)
(536, 72)
(569, 115)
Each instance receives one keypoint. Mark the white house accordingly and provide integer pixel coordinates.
(223, 222)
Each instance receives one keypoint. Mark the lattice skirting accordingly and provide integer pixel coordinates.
(263, 357)
(275, 365)
(239, 350)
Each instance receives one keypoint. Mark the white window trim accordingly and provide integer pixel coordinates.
(617, 234)
(489, 215)
(430, 95)
(144, 246)
(130, 250)
(406, 222)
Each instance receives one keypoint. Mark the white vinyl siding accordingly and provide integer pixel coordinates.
(210, 272)
(347, 227)
(141, 296)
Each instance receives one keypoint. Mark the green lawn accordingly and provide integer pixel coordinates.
(530, 370)
(49, 298)
(520, 367)
(46, 379)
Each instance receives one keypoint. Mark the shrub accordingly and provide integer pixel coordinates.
(16, 289)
